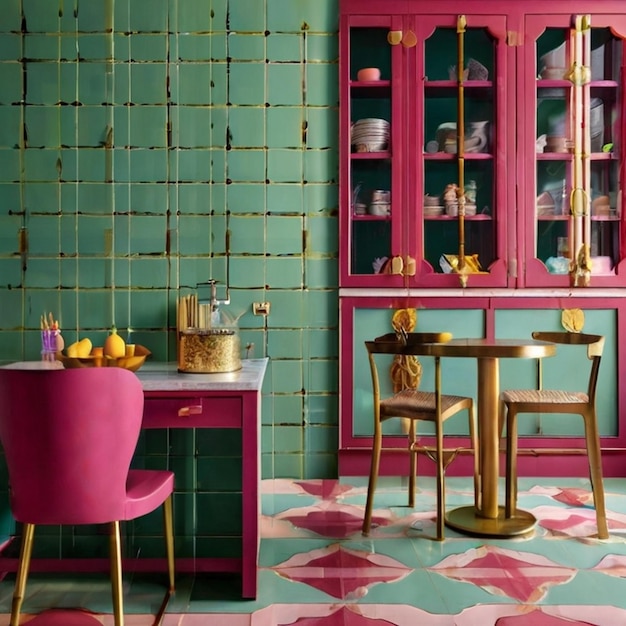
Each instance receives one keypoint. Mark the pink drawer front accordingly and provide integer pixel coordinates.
(192, 412)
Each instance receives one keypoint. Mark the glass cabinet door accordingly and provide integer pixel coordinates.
(572, 217)
(438, 160)
(371, 177)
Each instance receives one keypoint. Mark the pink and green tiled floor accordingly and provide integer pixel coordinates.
(316, 569)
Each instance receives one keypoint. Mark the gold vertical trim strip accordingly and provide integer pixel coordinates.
(460, 144)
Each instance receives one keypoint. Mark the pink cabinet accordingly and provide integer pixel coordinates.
(571, 148)
(528, 138)
(404, 166)
(399, 151)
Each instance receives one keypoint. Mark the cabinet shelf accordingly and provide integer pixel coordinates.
(568, 156)
(453, 84)
(371, 218)
(371, 156)
(451, 156)
(564, 218)
(370, 88)
(479, 217)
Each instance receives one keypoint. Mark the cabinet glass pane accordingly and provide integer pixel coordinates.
(441, 174)
(370, 150)
(556, 120)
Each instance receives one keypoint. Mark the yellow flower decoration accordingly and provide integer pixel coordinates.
(573, 320)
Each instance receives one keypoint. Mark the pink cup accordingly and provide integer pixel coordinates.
(368, 74)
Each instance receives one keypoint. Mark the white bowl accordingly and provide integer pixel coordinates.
(381, 209)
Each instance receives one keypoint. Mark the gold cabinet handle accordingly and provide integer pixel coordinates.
(394, 37)
(410, 266)
(409, 39)
(397, 265)
(186, 411)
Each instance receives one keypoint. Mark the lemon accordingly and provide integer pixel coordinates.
(79, 349)
(114, 345)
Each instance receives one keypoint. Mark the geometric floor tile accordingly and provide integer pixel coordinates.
(522, 576)
(311, 545)
(342, 572)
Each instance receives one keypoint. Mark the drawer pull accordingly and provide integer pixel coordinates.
(186, 411)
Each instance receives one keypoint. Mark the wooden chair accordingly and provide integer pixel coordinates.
(69, 437)
(430, 406)
(583, 403)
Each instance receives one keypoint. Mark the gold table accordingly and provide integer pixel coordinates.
(489, 518)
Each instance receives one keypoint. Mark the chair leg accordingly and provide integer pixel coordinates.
(441, 497)
(371, 486)
(412, 463)
(26, 549)
(511, 464)
(595, 474)
(473, 429)
(168, 527)
(115, 555)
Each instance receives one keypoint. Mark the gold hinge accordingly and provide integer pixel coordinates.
(513, 38)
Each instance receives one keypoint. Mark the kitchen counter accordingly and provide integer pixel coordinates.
(166, 377)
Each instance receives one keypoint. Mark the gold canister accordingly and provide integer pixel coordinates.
(208, 351)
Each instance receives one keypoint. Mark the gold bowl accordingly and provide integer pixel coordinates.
(132, 363)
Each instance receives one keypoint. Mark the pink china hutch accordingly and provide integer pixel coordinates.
(481, 179)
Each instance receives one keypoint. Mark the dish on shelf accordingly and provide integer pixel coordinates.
(553, 59)
(558, 144)
(370, 135)
(132, 363)
(545, 204)
(433, 210)
(553, 73)
(601, 206)
(381, 209)
(602, 265)
(368, 74)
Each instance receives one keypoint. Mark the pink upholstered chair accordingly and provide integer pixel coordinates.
(69, 437)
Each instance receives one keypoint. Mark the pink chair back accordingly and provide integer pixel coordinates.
(69, 437)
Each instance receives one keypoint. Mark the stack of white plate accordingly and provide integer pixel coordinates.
(432, 206)
(370, 134)
(433, 211)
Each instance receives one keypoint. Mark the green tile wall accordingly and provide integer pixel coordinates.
(148, 145)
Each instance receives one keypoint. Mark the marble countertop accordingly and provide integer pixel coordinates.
(159, 376)
(162, 376)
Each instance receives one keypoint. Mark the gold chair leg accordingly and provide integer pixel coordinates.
(473, 428)
(26, 549)
(595, 474)
(511, 464)
(441, 497)
(412, 463)
(371, 487)
(168, 526)
(115, 555)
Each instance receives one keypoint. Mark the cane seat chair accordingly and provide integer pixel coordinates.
(416, 405)
(564, 402)
(68, 438)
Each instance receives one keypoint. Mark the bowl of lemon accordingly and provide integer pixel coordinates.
(114, 353)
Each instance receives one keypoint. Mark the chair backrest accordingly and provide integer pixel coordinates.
(69, 437)
(594, 345)
(411, 344)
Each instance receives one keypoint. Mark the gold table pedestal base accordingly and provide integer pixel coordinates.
(467, 520)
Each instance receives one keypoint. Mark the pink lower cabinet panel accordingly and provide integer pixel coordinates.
(216, 401)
